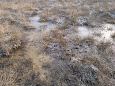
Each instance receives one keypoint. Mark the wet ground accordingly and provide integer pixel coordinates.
(69, 32)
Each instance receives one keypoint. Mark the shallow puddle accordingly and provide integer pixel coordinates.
(106, 31)
(35, 21)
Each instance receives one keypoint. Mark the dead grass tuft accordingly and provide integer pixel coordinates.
(10, 39)
(55, 36)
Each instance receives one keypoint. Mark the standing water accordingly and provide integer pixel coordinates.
(48, 25)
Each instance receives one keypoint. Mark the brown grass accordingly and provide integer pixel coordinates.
(55, 36)
(10, 38)
(34, 64)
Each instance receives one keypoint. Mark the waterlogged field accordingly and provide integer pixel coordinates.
(57, 43)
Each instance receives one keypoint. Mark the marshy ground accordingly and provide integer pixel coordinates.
(57, 43)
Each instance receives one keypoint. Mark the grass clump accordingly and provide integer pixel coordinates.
(10, 39)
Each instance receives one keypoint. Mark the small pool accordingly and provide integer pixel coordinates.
(48, 25)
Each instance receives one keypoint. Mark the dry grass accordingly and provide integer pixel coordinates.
(50, 58)
(55, 36)
(41, 62)
(10, 39)
(104, 48)
(89, 69)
